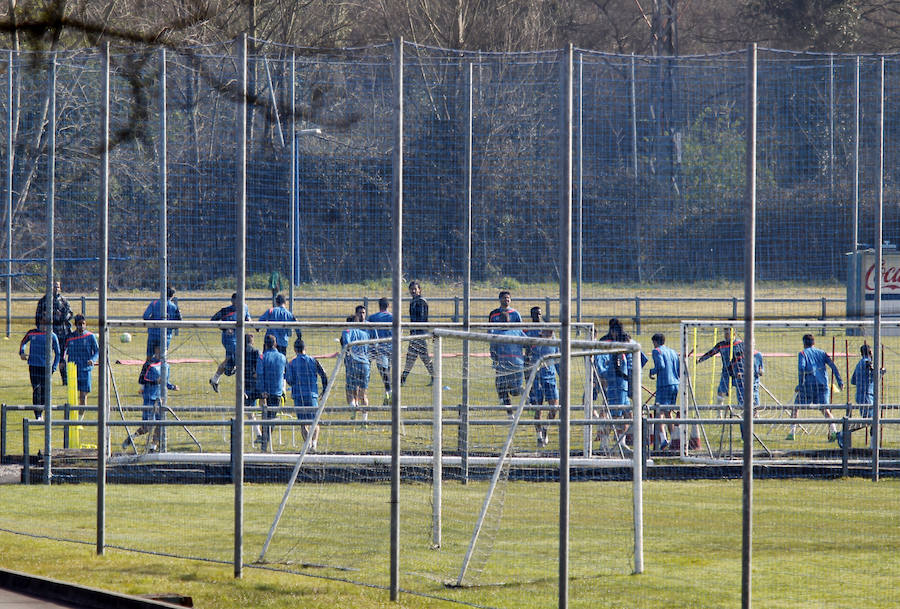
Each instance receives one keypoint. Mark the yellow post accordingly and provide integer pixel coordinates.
(72, 387)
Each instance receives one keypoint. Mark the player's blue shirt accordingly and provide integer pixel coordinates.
(864, 379)
(666, 367)
(81, 349)
(154, 311)
(281, 334)
(270, 372)
(550, 368)
(301, 376)
(153, 378)
(358, 353)
(514, 316)
(37, 348)
(811, 364)
(229, 313)
(381, 317)
(507, 356)
(615, 368)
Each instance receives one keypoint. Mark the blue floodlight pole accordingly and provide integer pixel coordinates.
(749, 314)
(51, 252)
(102, 291)
(855, 243)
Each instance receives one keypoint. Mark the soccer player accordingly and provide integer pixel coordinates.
(275, 285)
(544, 387)
(153, 374)
(229, 341)
(381, 352)
(505, 298)
(60, 318)
(356, 365)
(270, 384)
(301, 376)
(36, 340)
(418, 348)
(280, 313)
(154, 311)
(508, 361)
(251, 395)
(738, 377)
(725, 349)
(812, 386)
(667, 371)
(864, 379)
(82, 349)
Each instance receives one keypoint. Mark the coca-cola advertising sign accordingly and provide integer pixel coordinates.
(890, 282)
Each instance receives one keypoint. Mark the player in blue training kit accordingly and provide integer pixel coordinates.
(513, 316)
(544, 387)
(280, 313)
(863, 379)
(154, 311)
(723, 348)
(270, 385)
(356, 365)
(36, 340)
(229, 341)
(82, 349)
(813, 386)
(667, 371)
(153, 374)
(301, 375)
(508, 361)
(381, 352)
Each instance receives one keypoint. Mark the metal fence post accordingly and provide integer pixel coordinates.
(26, 450)
(845, 446)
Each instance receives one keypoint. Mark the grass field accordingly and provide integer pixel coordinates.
(815, 546)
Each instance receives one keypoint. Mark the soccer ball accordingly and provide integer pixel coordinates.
(125, 338)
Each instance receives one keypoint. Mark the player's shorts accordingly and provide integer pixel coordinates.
(357, 374)
(666, 395)
(84, 380)
(382, 360)
(151, 412)
(543, 390)
(617, 397)
(723, 384)
(230, 363)
(306, 406)
(812, 394)
(509, 383)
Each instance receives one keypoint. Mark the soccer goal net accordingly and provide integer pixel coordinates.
(480, 466)
(811, 375)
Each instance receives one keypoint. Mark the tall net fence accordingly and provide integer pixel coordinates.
(658, 187)
(658, 156)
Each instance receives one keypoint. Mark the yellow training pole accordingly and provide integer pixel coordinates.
(72, 387)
